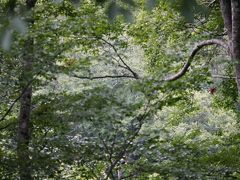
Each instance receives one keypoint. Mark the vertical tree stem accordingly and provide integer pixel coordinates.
(24, 160)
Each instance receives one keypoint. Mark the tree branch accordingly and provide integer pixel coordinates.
(223, 77)
(195, 50)
(127, 144)
(16, 100)
(106, 148)
(28, 84)
(7, 125)
(104, 77)
(121, 59)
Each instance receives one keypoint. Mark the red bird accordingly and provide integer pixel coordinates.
(212, 90)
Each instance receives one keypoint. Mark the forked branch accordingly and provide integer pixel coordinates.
(120, 58)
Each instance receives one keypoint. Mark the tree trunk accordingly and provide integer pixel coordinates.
(231, 15)
(227, 16)
(235, 44)
(24, 120)
(24, 160)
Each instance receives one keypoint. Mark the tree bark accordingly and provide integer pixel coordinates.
(227, 16)
(231, 15)
(24, 118)
(236, 38)
(24, 160)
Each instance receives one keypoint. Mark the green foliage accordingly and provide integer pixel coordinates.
(85, 126)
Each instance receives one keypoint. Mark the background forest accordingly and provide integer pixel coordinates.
(119, 89)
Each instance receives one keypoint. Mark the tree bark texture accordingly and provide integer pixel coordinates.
(231, 15)
(227, 16)
(235, 4)
(24, 160)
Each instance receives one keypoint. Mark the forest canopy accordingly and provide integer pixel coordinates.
(119, 89)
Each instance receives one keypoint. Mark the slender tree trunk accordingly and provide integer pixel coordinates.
(24, 160)
(24, 117)
(235, 44)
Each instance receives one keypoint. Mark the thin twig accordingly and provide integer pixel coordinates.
(16, 100)
(126, 145)
(28, 84)
(6, 126)
(223, 77)
(106, 148)
(104, 77)
(119, 56)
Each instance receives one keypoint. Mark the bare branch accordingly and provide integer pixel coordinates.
(7, 125)
(223, 77)
(16, 100)
(121, 59)
(195, 50)
(106, 148)
(104, 77)
(28, 84)
(127, 144)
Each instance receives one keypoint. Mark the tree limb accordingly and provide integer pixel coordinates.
(104, 77)
(121, 59)
(28, 84)
(126, 144)
(16, 100)
(195, 50)
(223, 77)
(7, 125)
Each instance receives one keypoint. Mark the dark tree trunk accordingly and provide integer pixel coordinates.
(231, 15)
(25, 111)
(25, 104)
(24, 128)
(235, 44)
(227, 16)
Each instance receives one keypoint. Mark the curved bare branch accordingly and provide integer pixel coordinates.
(195, 50)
